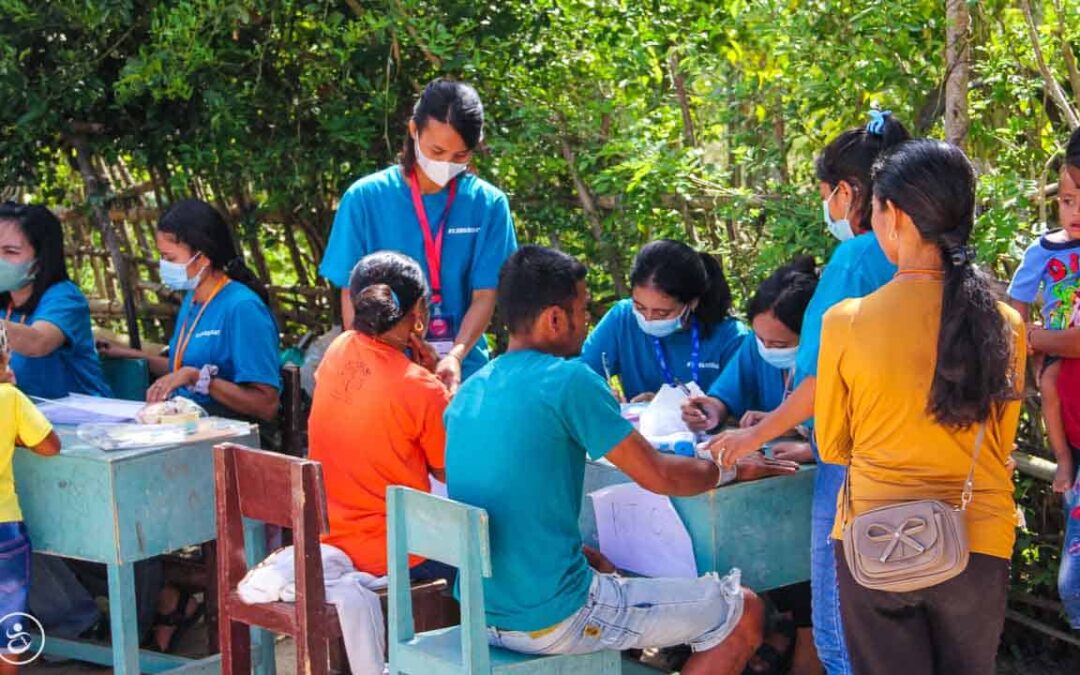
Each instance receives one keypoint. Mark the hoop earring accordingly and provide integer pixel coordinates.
(893, 236)
(418, 327)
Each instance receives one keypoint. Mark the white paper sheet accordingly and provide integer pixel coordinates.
(79, 409)
(664, 414)
(640, 532)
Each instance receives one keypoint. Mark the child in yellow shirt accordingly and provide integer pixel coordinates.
(20, 424)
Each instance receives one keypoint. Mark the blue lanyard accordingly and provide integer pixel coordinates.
(695, 353)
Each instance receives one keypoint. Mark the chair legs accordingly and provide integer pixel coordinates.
(235, 649)
(312, 656)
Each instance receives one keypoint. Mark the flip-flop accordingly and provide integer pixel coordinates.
(178, 619)
(775, 661)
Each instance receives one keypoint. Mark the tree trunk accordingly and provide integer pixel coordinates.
(957, 68)
(95, 197)
(588, 205)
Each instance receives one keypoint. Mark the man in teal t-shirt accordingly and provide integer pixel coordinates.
(518, 433)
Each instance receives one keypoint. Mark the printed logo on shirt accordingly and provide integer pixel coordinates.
(707, 365)
(213, 332)
(463, 230)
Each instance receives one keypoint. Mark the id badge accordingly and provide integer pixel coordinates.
(440, 331)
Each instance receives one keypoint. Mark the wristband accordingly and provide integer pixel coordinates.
(726, 475)
(202, 385)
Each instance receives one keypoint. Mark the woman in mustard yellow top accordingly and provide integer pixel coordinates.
(906, 376)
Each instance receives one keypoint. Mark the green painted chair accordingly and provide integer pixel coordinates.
(456, 534)
(128, 378)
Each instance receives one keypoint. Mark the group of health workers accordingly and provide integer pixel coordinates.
(422, 251)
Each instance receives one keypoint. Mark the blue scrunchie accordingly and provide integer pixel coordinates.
(397, 301)
(876, 125)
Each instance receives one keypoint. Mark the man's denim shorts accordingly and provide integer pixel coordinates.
(636, 613)
(14, 575)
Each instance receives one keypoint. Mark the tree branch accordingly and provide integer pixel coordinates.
(1067, 52)
(1053, 89)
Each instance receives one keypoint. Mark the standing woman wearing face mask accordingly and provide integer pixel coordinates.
(675, 328)
(857, 268)
(430, 208)
(224, 352)
(46, 315)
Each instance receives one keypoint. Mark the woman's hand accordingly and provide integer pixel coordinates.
(752, 418)
(448, 371)
(164, 386)
(728, 447)
(645, 397)
(795, 451)
(702, 413)
(114, 350)
(423, 354)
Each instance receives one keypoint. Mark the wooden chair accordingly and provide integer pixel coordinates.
(288, 492)
(456, 534)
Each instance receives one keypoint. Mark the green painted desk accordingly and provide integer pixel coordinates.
(117, 508)
(761, 527)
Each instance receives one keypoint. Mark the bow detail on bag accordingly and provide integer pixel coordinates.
(901, 535)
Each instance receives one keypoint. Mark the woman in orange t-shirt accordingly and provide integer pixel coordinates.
(377, 414)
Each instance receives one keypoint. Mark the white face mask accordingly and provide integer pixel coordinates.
(841, 229)
(174, 275)
(777, 357)
(659, 328)
(440, 173)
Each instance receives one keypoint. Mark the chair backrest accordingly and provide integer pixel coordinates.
(451, 533)
(127, 378)
(293, 423)
(275, 489)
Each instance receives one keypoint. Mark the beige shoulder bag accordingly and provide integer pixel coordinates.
(910, 545)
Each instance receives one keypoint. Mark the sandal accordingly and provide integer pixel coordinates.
(179, 619)
(770, 660)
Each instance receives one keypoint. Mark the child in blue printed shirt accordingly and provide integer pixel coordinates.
(20, 424)
(1052, 265)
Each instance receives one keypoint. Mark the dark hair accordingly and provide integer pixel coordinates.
(533, 279)
(1072, 149)
(786, 293)
(453, 103)
(934, 184)
(43, 230)
(850, 157)
(686, 275)
(383, 287)
(201, 228)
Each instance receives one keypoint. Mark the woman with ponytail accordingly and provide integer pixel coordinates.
(224, 352)
(907, 378)
(379, 377)
(857, 267)
(675, 328)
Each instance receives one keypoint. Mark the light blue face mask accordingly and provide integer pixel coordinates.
(659, 328)
(777, 357)
(174, 275)
(841, 229)
(14, 276)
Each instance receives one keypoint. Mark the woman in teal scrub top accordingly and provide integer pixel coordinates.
(46, 315)
(761, 375)
(224, 352)
(676, 327)
(430, 208)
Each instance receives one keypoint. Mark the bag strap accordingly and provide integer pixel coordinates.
(966, 495)
(969, 484)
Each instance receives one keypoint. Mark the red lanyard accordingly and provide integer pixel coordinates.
(432, 243)
(181, 340)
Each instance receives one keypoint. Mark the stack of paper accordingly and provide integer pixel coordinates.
(82, 409)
